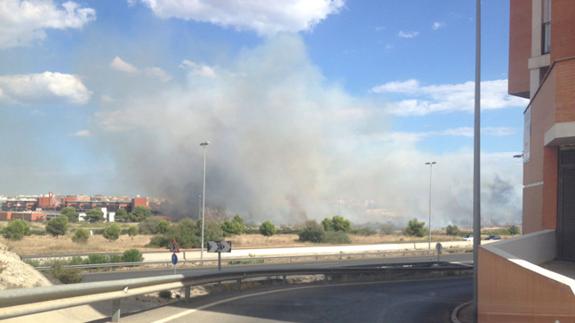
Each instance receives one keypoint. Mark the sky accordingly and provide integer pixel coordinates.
(311, 106)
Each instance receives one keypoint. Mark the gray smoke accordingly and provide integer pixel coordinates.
(286, 145)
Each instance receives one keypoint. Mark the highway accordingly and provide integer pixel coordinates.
(401, 301)
(134, 273)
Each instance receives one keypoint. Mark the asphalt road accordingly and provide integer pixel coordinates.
(135, 273)
(402, 301)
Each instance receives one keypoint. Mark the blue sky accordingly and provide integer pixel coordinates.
(401, 65)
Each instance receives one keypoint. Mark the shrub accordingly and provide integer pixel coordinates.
(387, 228)
(70, 213)
(94, 215)
(66, 276)
(112, 232)
(16, 230)
(132, 255)
(363, 231)
(452, 230)
(213, 231)
(312, 232)
(122, 216)
(133, 231)
(513, 230)
(153, 225)
(415, 228)
(57, 226)
(335, 237)
(336, 223)
(81, 236)
(267, 229)
(234, 226)
(96, 258)
(139, 214)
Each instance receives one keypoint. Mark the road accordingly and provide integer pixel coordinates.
(400, 301)
(133, 273)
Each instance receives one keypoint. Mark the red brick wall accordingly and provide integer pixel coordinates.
(562, 29)
(519, 46)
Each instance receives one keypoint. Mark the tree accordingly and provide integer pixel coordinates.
(140, 213)
(112, 231)
(57, 226)
(415, 228)
(452, 230)
(234, 226)
(70, 213)
(94, 215)
(153, 225)
(132, 231)
(513, 230)
(81, 236)
(336, 223)
(267, 229)
(16, 230)
(312, 232)
(122, 216)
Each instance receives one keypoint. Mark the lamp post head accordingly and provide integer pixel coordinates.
(204, 144)
(518, 156)
(430, 163)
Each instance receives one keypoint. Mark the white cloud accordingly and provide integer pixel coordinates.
(421, 100)
(23, 22)
(407, 34)
(82, 133)
(198, 69)
(436, 25)
(256, 15)
(121, 65)
(414, 137)
(43, 87)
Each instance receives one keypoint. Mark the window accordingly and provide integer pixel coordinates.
(546, 27)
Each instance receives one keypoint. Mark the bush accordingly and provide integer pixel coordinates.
(153, 225)
(336, 223)
(513, 230)
(94, 215)
(57, 226)
(336, 237)
(16, 230)
(234, 226)
(213, 231)
(387, 228)
(70, 213)
(363, 231)
(133, 231)
(66, 276)
(122, 216)
(267, 229)
(312, 232)
(452, 230)
(415, 228)
(81, 236)
(96, 258)
(132, 255)
(139, 214)
(112, 232)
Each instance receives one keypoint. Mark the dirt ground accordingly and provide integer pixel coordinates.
(46, 245)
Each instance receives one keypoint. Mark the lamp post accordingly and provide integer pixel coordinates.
(204, 145)
(477, 160)
(430, 164)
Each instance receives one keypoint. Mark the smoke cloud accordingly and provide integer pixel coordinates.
(287, 145)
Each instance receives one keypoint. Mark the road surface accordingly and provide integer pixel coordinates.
(134, 273)
(400, 301)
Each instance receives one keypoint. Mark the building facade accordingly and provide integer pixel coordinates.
(527, 279)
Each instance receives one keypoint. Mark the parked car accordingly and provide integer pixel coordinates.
(494, 237)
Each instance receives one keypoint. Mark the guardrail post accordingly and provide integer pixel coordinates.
(284, 279)
(116, 309)
(187, 293)
(239, 284)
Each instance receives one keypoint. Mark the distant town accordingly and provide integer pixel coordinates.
(44, 207)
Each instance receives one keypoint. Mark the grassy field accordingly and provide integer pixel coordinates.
(38, 245)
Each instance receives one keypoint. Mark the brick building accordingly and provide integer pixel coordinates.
(531, 278)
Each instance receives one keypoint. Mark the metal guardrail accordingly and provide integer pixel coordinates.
(19, 302)
(263, 260)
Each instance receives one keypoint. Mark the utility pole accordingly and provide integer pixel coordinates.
(430, 164)
(477, 160)
(204, 145)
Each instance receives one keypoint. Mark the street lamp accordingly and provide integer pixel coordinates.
(430, 164)
(204, 145)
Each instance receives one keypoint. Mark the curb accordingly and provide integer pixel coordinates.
(455, 312)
